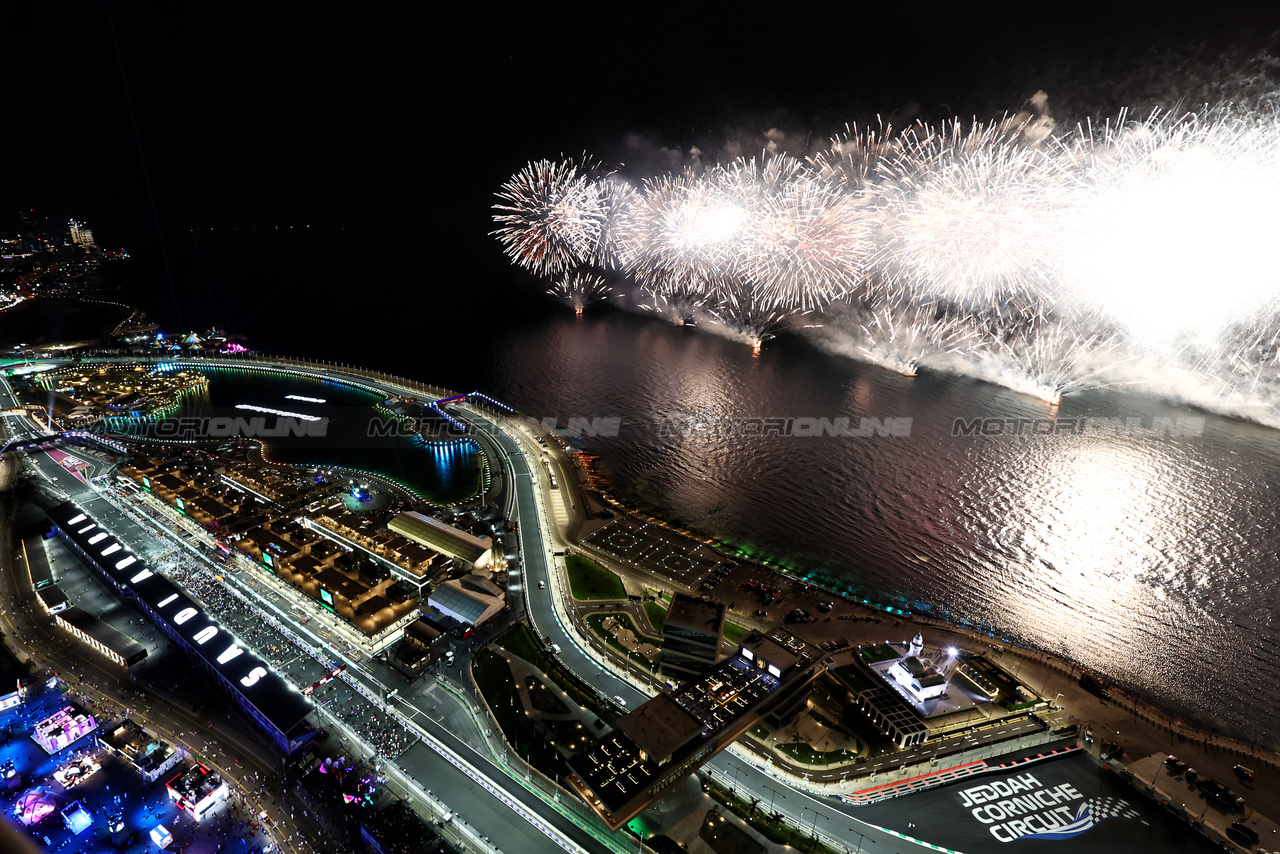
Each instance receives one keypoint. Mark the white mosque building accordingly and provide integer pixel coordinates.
(918, 676)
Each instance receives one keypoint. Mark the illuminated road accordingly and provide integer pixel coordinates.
(492, 795)
(538, 548)
(890, 827)
(530, 499)
(540, 514)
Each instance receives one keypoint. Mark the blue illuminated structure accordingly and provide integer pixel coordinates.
(77, 818)
(437, 406)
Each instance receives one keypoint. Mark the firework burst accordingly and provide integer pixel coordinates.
(807, 246)
(1056, 359)
(682, 233)
(550, 215)
(902, 337)
(973, 213)
(1004, 245)
(580, 289)
(1174, 222)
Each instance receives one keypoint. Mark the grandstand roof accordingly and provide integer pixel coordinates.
(278, 702)
(463, 604)
(445, 539)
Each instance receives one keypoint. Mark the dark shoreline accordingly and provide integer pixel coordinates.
(875, 601)
(862, 595)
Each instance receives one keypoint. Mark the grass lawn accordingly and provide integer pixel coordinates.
(733, 632)
(657, 615)
(590, 581)
(878, 653)
(802, 752)
(662, 596)
(753, 812)
(570, 734)
(520, 641)
(543, 698)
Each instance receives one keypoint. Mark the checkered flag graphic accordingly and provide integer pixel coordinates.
(1102, 808)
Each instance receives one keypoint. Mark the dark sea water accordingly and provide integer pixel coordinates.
(1148, 557)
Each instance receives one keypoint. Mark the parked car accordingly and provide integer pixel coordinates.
(1175, 765)
(1241, 831)
(1220, 794)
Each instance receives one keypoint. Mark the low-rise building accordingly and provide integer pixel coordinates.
(425, 642)
(198, 791)
(106, 639)
(63, 727)
(672, 735)
(444, 539)
(146, 754)
(471, 600)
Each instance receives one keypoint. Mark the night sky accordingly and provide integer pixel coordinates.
(251, 115)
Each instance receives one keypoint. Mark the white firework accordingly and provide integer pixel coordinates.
(850, 162)
(1055, 359)
(1010, 243)
(580, 289)
(682, 233)
(550, 215)
(901, 338)
(972, 213)
(1173, 223)
(808, 245)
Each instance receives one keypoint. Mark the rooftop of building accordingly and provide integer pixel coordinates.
(613, 770)
(71, 711)
(691, 612)
(480, 584)
(424, 630)
(52, 596)
(621, 764)
(780, 648)
(102, 632)
(465, 603)
(660, 727)
(195, 782)
(880, 665)
(440, 537)
(726, 692)
(276, 700)
(131, 740)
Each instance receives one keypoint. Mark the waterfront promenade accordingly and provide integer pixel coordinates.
(1140, 730)
(549, 523)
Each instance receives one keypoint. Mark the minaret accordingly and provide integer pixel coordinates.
(917, 645)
